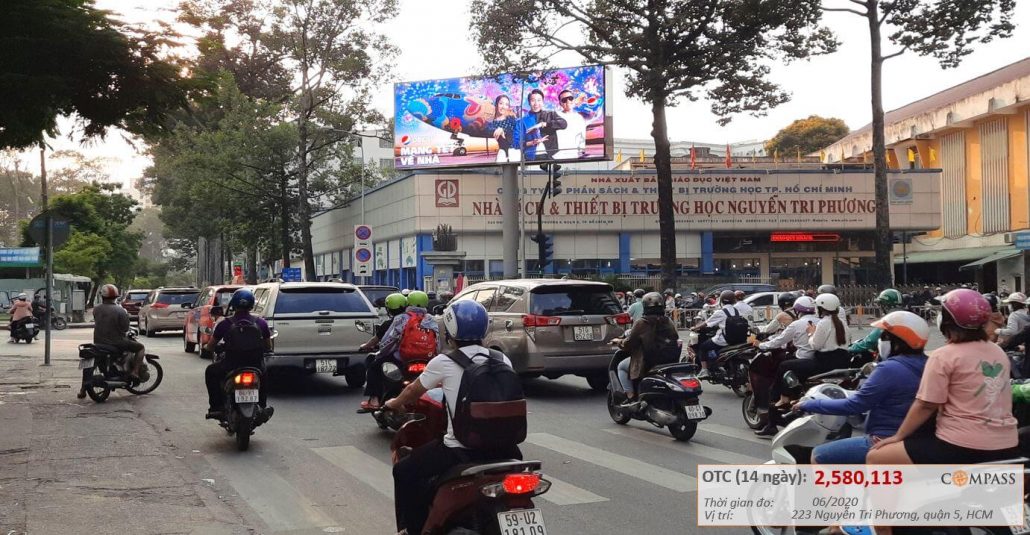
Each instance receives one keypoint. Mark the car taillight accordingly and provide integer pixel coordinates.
(621, 319)
(159, 305)
(416, 367)
(245, 378)
(530, 320)
(690, 383)
(520, 483)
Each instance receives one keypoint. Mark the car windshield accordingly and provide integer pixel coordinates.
(377, 293)
(223, 298)
(136, 296)
(317, 299)
(177, 298)
(573, 301)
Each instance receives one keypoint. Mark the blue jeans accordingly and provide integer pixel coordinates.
(623, 370)
(708, 351)
(845, 451)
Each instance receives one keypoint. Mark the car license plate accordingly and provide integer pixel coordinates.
(695, 412)
(247, 396)
(85, 363)
(325, 330)
(583, 333)
(325, 365)
(522, 522)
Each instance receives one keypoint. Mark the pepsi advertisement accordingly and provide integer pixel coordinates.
(545, 116)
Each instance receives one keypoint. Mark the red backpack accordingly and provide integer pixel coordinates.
(417, 342)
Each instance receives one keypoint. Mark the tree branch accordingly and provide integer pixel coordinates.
(895, 54)
(846, 9)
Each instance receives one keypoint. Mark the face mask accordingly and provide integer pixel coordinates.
(884, 348)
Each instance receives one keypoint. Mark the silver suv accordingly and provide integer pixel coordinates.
(552, 327)
(317, 326)
(162, 311)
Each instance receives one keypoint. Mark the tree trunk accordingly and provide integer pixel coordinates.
(883, 244)
(284, 221)
(666, 216)
(252, 253)
(305, 206)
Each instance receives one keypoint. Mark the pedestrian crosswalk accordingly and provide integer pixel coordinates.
(284, 507)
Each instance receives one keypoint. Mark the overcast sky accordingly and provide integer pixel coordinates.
(433, 40)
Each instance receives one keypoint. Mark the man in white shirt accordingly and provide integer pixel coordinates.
(465, 325)
(728, 305)
(572, 140)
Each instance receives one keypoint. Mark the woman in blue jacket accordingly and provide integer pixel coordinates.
(886, 395)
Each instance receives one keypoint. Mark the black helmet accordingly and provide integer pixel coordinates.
(638, 293)
(786, 300)
(993, 300)
(654, 304)
(740, 295)
(727, 297)
(827, 289)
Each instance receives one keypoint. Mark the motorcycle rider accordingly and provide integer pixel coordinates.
(743, 307)
(241, 350)
(797, 334)
(644, 343)
(111, 322)
(832, 290)
(636, 309)
(465, 324)
(20, 311)
(395, 304)
(830, 335)
(886, 395)
(786, 315)
(997, 319)
(390, 344)
(889, 300)
(1019, 318)
(706, 349)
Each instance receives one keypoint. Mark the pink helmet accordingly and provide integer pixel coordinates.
(967, 308)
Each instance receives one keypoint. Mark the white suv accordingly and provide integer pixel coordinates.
(317, 327)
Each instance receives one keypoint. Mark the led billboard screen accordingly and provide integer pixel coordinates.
(554, 115)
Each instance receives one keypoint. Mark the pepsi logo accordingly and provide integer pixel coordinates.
(405, 139)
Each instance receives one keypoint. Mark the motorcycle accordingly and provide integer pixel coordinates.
(490, 497)
(26, 329)
(761, 371)
(395, 378)
(669, 396)
(108, 369)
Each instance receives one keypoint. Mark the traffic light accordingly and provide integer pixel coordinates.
(546, 245)
(556, 174)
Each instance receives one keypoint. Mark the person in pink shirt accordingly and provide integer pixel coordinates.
(965, 385)
(20, 309)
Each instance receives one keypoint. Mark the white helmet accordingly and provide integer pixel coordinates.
(1018, 297)
(828, 422)
(912, 329)
(827, 302)
(22, 296)
(679, 296)
(804, 305)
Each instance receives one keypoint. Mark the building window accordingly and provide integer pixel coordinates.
(386, 164)
(384, 141)
(953, 184)
(994, 170)
(473, 268)
(742, 268)
(796, 273)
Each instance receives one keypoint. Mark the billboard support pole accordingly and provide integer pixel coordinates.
(510, 228)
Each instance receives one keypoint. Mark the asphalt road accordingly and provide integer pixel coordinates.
(318, 467)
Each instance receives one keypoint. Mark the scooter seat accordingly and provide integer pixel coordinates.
(727, 349)
(475, 469)
(684, 367)
(108, 348)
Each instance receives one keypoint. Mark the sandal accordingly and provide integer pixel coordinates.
(370, 405)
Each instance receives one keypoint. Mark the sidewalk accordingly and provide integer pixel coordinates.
(71, 466)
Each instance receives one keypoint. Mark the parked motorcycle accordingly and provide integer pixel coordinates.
(26, 329)
(491, 497)
(110, 370)
(669, 396)
(242, 412)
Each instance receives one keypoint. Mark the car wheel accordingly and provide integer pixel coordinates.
(188, 346)
(598, 382)
(143, 327)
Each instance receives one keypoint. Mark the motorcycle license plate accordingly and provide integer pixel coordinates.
(695, 412)
(583, 333)
(30, 326)
(325, 365)
(522, 522)
(85, 363)
(247, 396)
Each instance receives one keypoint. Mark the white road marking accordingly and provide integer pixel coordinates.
(708, 452)
(362, 466)
(650, 473)
(733, 432)
(562, 493)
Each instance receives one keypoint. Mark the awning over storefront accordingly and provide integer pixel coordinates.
(1000, 255)
(952, 255)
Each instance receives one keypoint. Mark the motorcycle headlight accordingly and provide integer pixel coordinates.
(391, 371)
(790, 380)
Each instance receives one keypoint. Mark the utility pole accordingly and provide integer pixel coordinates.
(44, 196)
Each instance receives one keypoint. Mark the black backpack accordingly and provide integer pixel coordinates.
(244, 343)
(736, 328)
(490, 412)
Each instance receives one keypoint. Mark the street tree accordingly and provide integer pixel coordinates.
(805, 136)
(946, 30)
(65, 57)
(674, 50)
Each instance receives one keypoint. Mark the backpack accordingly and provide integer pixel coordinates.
(244, 343)
(736, 328)
(490, 412)
(417, 342)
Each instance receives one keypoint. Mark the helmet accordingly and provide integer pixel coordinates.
(466, 321)
(786, 300)
(804, 305)
(405, 292)
(242, 299)
(739, 295)
(827, 289)
(396, 301)
(889, 298)
(418, 298)
(654, 304)
(1018, 297)
(828, 302)
(992, 300)
(966, 308)
(727, 297)
(23, 296)
(827, 391)
(679, 296)
(638, 293)
(109, 291)
(912, 329)
(668, 291)
(445, 295)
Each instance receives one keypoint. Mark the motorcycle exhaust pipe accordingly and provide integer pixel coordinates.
(659, 416)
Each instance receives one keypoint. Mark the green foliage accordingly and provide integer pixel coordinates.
(946, 29)
(82, 254)
(807, 135)
(64, 57)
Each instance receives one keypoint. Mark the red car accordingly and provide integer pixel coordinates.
(132, 301)
(199, 317)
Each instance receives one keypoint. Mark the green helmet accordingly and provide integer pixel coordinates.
(396, 301)
(418, 298)
(889, 297)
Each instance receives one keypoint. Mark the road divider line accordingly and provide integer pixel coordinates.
(708, 452)
(732, 432)
(278, 504)
(650, 473)
(562, 493)
(361, 466)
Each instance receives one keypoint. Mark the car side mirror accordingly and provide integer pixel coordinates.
(217, 311)
(438, 309)
(360, 325)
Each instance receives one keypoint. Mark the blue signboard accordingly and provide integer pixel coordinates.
(291, 275)
(19, 257)
(1022, 241)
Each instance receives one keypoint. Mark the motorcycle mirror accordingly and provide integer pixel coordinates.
(867, 370)
(438, 309)
(790, 380)
(208, 331)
